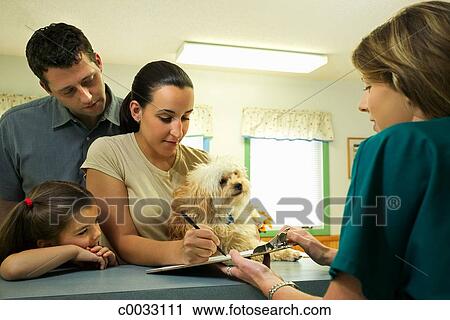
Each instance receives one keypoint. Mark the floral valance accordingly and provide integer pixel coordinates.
(200, 124)
(286, 124)
(10, 100)
(201, 121)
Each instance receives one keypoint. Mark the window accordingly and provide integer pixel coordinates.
(198, 142)
(289, 178)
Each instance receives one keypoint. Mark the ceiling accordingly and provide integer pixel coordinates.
(136, 32)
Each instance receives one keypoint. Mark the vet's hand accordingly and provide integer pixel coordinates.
(106, 254)
(320, 253)
(250, 271)
(199, 245)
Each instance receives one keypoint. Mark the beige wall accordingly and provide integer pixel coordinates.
(228, 92)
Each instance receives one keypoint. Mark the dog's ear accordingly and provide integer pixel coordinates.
(201, 210)
(188, 199)
(207, 210)
(180, 197)
(177, 226)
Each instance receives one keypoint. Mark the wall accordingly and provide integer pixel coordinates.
(228, 92)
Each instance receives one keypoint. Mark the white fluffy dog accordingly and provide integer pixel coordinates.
(216, 194)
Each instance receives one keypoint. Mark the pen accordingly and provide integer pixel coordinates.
(192, 223)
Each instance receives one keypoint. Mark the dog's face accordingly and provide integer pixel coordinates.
(234, 186)
(217, 184)
(220, 179)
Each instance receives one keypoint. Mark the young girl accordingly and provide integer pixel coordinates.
(55, 225)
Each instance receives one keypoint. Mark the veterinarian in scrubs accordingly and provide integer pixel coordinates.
(135, 173)
(393, 242)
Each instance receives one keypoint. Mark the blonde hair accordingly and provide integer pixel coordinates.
(411, 53)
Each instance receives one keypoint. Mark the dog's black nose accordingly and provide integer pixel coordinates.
(238, 186)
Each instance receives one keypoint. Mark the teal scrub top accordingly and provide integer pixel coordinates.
(396, 225)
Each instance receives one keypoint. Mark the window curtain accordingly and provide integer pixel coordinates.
(200, 119)
(286, 124)
(10, 100)
(200, 123)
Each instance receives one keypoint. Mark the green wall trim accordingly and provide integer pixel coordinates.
(247, 155)
(325, 231)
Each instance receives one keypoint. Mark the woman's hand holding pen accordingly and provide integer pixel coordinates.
(199, 245)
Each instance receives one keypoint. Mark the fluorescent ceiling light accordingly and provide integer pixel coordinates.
(249, 58)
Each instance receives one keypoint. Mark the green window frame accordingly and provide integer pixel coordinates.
(325, 230)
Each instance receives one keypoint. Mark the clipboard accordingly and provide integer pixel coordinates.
(216, 259)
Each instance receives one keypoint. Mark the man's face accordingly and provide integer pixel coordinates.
(80, 87)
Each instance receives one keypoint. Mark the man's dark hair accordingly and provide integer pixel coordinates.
(58, 45)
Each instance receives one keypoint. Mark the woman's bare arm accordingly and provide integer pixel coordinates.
(118, 226)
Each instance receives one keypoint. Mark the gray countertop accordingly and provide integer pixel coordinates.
(131, 282)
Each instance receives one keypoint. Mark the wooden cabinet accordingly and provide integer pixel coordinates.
(329, 241)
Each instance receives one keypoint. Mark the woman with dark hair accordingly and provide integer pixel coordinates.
(135, 173)
(396, 222)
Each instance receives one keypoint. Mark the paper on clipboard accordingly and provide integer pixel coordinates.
(215, 259)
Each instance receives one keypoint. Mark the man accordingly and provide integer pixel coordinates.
(47, 139)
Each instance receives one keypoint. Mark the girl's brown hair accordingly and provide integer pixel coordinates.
(411, 53)
(53, 205)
